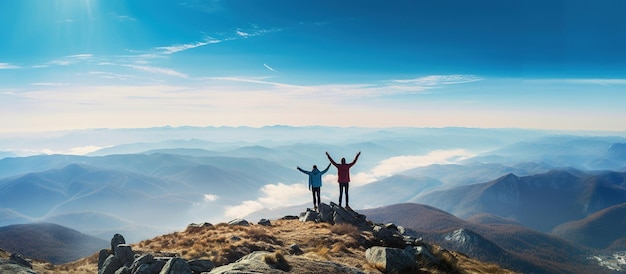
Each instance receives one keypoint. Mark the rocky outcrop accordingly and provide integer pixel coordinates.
(121, 259)
(390, 251)
(16, 264)
(393, 251)
(276, 263)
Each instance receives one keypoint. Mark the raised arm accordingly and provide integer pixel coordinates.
(331, 159)
(303, 171)
(355, 158)
(326, 169)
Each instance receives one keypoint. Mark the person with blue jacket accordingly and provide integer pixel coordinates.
(315, 183)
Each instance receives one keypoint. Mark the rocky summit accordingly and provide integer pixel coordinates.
(329, 240)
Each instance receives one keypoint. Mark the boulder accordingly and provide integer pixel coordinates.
(110, 265)
(123, 270)
(116, 240)
(193, 227)
(176, 266)
(390, 259)
(141, 260)
(239, 221)
(254, 262)
(388, 237)
(310, 216)
(265, 222)
(422, 253)
(125, 253)
(19, 259)
(199, 266)
(102, 256)
(295, 249)
(326, 213)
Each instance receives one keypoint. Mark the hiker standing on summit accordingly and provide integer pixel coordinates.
(343, 175)
(315, 182)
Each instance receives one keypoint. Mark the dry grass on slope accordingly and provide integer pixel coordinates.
(223, 244)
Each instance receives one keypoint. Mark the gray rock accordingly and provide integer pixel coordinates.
(141, 260)
(199, 266)
(123, 270)
(422, 252)
(326, 213)
(176, 266)
(309, 216)
(125, 253)
(110, 265)
(116, 240)
(151, 268)
(193, 227)
(19, 259)
(295, 249)
(102, 256)
(401, 230)
(265, 222)
(388, 237)
(15, 269)
(239, 221)
(390, 259)
(251, 263)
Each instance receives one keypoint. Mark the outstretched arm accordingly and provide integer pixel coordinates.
(326, 169)
(302, 170)
(331, 159)
(355, 158)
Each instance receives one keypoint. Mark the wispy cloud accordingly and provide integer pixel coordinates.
(70, 59)
(8, 66)
(438, 80)
(243, 33)
(183, 47)
(158, 70)
(123, 18)
(268, 67)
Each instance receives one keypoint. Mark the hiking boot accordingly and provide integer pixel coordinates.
(348, 207)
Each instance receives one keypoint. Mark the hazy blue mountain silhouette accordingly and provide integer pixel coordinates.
(580, 152)
(49, 242)
(614, 158)
(473, 172)
(394, 188)
(540, 201)
(603, 229)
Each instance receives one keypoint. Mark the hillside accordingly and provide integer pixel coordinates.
(324, 247)
(601, 230)
(49, 242)
(525, 250)
(540, 201)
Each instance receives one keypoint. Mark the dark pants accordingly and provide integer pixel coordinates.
(316, 192)
(343, 187)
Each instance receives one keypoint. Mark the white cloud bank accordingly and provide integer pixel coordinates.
(273, 196)
(282, 195)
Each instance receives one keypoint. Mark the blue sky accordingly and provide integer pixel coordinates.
(70, 64)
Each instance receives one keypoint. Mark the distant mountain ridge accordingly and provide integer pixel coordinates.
(512, 246)
(603, 229)
(540, 201)
(49, 242)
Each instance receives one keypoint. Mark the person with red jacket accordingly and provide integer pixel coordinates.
(343, 175)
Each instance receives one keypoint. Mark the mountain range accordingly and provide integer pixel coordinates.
(502, 191)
